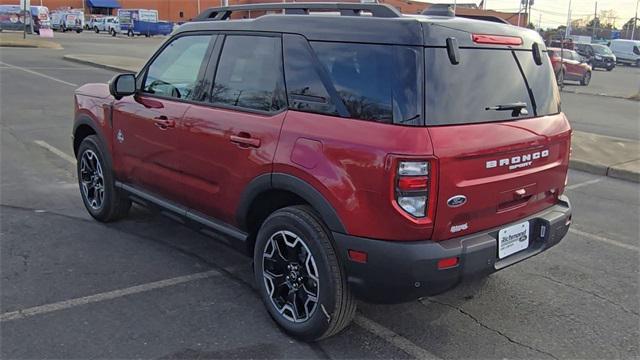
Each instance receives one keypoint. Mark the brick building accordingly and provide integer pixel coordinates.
(183, 10)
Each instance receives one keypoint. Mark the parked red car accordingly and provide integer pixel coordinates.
(573, 66)
(384, 157)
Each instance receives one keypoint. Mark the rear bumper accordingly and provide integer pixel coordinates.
(404, 271)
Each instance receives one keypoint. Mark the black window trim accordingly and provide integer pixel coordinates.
(141, 77)
(212, 69)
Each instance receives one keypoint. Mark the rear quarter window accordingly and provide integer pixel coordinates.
(379, 83)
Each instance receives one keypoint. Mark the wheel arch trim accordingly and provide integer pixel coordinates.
(295, 185)
(85, 120)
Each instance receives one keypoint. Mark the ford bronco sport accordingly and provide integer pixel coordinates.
(353, 151)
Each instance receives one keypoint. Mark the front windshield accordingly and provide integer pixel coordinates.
(601, 49)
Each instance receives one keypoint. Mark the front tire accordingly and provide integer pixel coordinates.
(299, 276)
(586, 79)
(101, 198)
(560, 78)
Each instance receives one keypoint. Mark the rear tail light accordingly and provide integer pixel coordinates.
(412, 183)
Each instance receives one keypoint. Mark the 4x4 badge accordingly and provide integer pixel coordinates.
(120, 136)
(457, 200)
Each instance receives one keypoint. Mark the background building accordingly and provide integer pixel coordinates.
(184, 10)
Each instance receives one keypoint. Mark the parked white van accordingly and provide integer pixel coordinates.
(626, 51)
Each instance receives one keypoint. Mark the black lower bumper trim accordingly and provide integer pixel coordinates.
(404, 271)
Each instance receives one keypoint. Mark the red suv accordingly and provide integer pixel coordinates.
(569, 65)
(356, 154)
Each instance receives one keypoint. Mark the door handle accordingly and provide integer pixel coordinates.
(163, 122)
(245, 140)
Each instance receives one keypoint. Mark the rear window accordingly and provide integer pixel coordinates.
(484, 79)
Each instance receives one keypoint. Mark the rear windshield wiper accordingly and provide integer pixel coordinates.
(517, 109)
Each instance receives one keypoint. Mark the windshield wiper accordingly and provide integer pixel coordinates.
(517, 109)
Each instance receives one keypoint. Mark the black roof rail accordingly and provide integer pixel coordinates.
(345, 9)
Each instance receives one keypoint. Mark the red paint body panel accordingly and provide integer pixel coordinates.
(354, 171)
(463, 152)
(94, 102)
(149, 155)
(216, 170)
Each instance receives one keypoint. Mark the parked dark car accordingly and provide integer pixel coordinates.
(573, 66)
(598, 56)
(383, 157)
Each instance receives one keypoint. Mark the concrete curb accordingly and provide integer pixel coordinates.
(96, 64)
(610, 171)
(586, 166)
(631, 97)
(613, 171)
(30, 45)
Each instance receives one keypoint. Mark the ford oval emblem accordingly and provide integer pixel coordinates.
(456, 201)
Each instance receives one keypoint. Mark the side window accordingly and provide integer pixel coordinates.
(305, 89)
(381, 83)
(174, 73)
(636, 50)
(249, 73)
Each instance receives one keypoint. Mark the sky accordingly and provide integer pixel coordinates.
(553, 13)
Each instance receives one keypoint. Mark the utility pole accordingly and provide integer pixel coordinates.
(635, 18)
(595, 19)
(568, 31)
(539, 21)
(24, 18)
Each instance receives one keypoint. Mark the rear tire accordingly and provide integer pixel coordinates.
(586, 79)
(96, 30)
(113, 32)
(101, 198)
(288, 281)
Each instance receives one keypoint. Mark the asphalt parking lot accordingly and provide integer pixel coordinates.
(146, 287)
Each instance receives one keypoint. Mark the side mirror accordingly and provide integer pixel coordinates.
(122, 85)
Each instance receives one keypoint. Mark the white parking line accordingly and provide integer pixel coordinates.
(47, 68)
(584, 183)
(43, 309)
(604, 239)
(38, 74)
(56, 151)
(394, 339)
